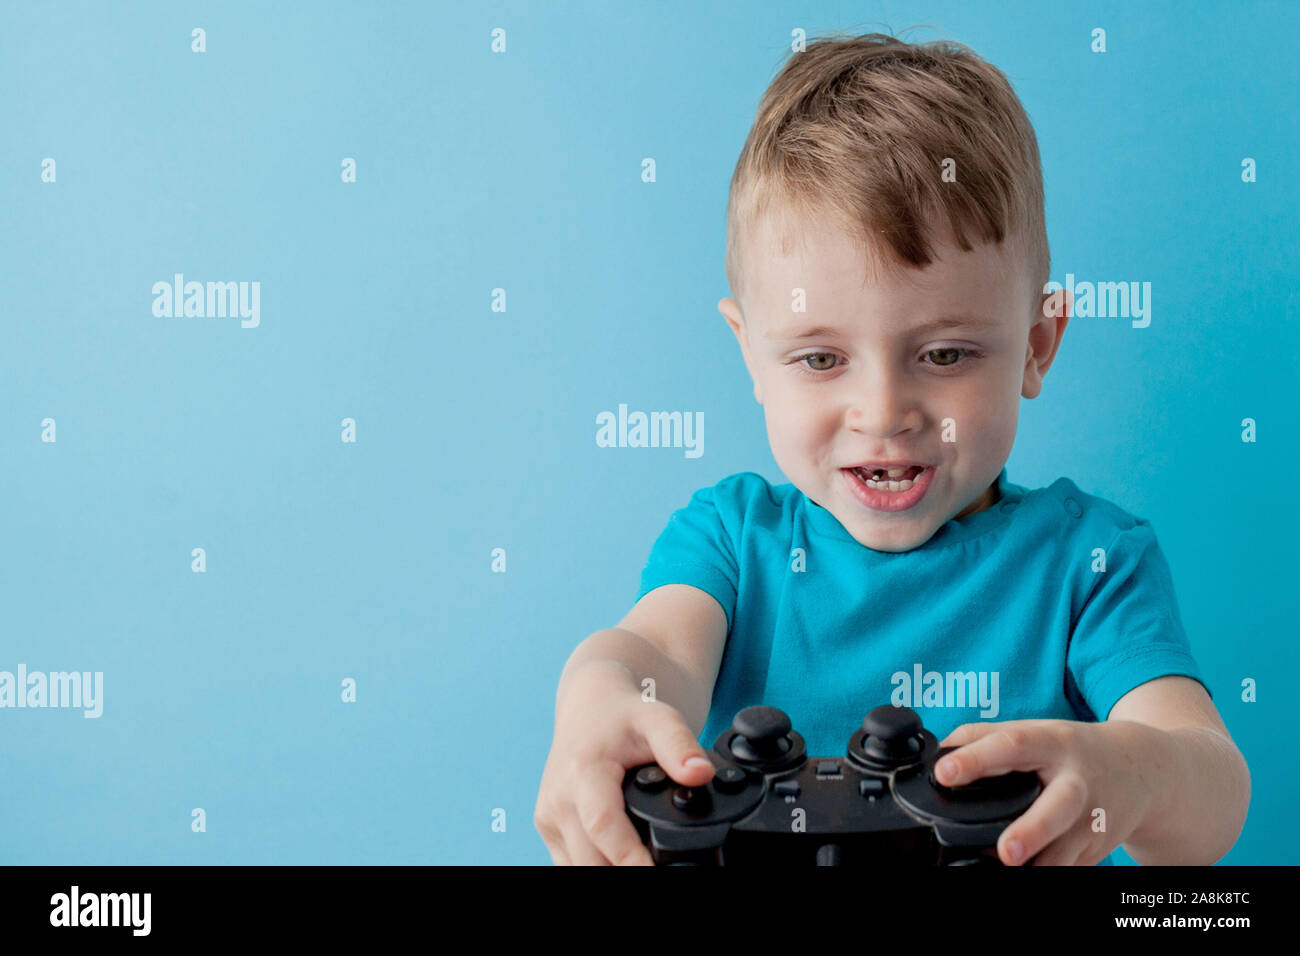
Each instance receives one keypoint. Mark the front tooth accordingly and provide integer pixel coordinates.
(897, 472)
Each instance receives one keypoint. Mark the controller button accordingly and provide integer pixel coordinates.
(828, 768)
(729, 779)
(871, 786)
(691, 799)
(786, 788)
(651, 779)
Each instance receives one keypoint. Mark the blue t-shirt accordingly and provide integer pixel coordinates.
(1011, 613)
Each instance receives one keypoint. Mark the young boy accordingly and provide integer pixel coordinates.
(887, 254)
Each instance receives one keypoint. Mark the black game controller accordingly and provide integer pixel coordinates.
(769, 804)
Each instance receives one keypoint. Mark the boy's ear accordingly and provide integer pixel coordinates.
(730, 310)
(1045, 334)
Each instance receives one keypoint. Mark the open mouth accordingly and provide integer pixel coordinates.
(889, 479)
(889, 489)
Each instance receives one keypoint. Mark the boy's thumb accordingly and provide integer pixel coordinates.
(674, 746)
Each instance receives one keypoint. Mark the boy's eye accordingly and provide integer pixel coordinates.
(948, 356)
(826, 356)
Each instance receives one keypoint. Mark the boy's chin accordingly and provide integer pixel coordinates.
(894, 541)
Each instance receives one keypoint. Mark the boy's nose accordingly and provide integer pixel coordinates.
(882, 408)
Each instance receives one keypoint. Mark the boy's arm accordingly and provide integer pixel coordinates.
(1199, 777)
(675, 634)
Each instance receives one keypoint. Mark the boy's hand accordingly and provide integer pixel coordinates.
(1084, 768)
(602, 729)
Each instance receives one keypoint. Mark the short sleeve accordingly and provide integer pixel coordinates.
(696, 549)
(1129, 631)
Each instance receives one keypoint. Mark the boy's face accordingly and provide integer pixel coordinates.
(885, 381)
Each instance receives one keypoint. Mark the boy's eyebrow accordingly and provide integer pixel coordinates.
(934, 325)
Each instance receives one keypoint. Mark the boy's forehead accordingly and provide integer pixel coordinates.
(839, 276)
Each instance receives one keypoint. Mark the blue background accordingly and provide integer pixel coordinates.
(476, 429)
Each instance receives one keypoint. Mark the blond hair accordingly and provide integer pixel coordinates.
(858, 128)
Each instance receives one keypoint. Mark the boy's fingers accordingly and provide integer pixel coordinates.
(551, 837)
(1057, 807)
(556, 849)
(1014, 745)
(604, 818)
(671, 742)
(580, 849)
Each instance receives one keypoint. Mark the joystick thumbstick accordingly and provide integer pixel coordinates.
(761, 734)
(893, 735)
(760, 739)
